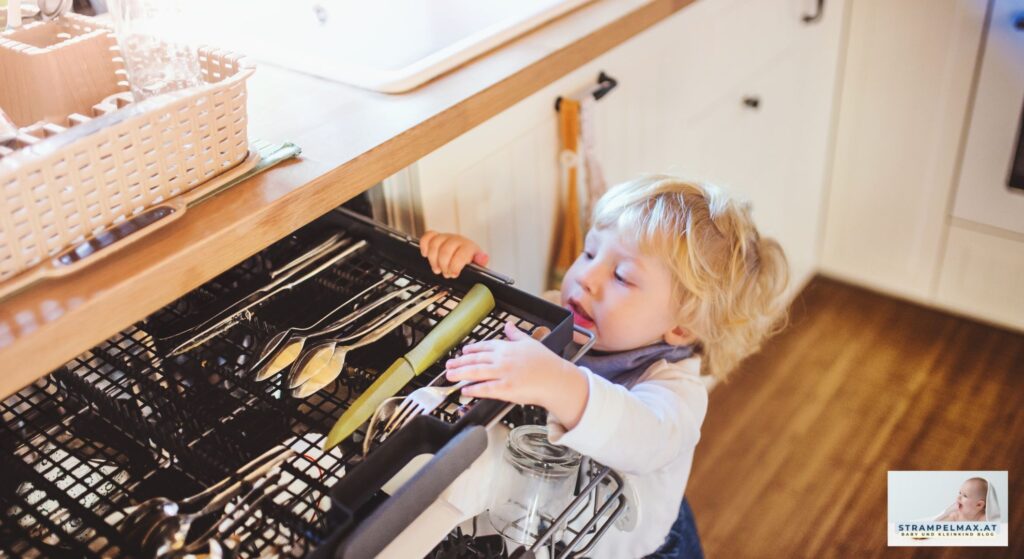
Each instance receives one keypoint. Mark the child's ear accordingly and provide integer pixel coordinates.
(680, 335)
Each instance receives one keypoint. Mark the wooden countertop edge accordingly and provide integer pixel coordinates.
(46, 325)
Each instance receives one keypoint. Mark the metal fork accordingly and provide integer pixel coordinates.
(424, 400)
(232, 520)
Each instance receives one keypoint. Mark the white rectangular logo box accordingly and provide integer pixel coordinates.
(948, 508)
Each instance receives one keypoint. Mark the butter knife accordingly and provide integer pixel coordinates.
(473, 308)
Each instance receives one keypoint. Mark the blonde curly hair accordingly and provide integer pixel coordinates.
(728, 281)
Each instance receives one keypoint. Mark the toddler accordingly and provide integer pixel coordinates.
(675, 281)
(970, 504)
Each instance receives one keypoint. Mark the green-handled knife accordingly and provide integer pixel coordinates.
(473, 308)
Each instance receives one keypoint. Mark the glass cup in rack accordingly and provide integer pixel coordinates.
(538, 479)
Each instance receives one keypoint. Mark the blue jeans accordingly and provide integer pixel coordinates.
(682, 541)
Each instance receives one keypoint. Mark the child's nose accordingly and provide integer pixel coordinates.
(589, 279)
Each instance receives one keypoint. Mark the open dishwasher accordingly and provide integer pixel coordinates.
(152, 414)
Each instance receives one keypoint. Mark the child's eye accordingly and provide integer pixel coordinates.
(621, 279)
(588, 255)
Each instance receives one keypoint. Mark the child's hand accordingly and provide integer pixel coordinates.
(522, 370)
(449, 253)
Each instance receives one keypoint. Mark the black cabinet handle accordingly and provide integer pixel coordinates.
(817, 15)
(752, 102)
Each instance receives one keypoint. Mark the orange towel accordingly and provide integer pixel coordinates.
(568, 231)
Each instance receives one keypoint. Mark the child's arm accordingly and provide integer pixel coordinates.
(523, 371)
(547, 380)
(633, 431)
(638, 430)
(449, 253)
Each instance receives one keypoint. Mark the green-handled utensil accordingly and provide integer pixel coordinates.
(473, 308)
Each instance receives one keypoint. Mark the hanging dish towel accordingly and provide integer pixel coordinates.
(576, 134)
(568, 230)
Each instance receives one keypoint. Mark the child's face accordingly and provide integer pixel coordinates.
(623, 296)
(970, 499)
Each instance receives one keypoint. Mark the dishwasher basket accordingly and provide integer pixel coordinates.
(124, 421)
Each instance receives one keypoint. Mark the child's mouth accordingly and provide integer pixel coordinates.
(579, 316)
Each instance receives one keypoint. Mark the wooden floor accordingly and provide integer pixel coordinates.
(795, 448)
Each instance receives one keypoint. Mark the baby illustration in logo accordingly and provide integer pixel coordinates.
(975, 502)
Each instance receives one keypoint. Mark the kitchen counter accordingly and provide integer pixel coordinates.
(351, 140)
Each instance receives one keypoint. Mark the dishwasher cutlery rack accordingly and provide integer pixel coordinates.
(123, 422)
(598, 502)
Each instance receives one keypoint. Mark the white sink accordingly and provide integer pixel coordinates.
(384, 45)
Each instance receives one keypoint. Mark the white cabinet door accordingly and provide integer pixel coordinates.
(768, 140)
(909, 66)
(688, 64)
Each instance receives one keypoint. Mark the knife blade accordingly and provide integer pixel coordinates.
(473, 308)
(229, 321)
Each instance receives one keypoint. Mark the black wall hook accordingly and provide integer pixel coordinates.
(605, 84)
(820, 11)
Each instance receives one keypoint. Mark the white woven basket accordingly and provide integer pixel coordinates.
(63, 180)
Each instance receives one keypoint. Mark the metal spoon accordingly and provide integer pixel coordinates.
(325, 355)
(277, 354)
(143, 519)
(316, 358)
(170, 534)
(291, 351)
(326, 374)
(227, 526)
(149, 511)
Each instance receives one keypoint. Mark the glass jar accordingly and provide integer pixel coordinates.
(157, 53)
(538, 479)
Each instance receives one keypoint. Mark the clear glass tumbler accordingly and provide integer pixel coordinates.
(538, 479)
(158, 55)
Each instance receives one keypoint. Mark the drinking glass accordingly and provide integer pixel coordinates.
(538, 479)
(158, 55)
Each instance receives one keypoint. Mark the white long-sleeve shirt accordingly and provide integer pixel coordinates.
(647, 433)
